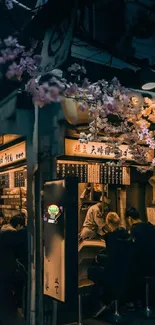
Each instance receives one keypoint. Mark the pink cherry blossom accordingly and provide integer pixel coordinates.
(112, 112)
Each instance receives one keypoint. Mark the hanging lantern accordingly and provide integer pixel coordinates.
(74, 111)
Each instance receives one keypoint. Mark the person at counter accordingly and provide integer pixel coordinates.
(112, 232)
(143, 237)
(94, 221)
(113, 264)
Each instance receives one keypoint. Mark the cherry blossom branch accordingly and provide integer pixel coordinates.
(112, 109)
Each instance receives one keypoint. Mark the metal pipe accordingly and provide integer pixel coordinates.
(116, 308)
(38, 223)
(147, 295)
(31, 234)
(80, 310)
(55, 312)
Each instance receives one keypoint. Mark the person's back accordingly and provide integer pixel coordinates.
(143, 235)
(8, 246)
(118, 245)
(119, 264)
(113, 239)
(7, 271)
(111, 231)
(22, 248)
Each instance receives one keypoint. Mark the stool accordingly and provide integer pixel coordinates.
(85, 286)
(148, 313)
(116, 317)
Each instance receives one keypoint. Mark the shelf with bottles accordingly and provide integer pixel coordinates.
(10, 207)
(12, 196)
(13, 191)
(12, 199)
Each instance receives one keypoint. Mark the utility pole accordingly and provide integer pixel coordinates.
(31, 234)
(38, 227)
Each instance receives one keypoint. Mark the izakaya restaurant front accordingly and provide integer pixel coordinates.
(13, 175)
(123, 186)
(86, 177)
(107, 165)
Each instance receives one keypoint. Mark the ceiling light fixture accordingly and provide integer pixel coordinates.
(147, 78)
(149, 86)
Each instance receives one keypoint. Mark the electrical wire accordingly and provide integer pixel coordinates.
(21, 5)
(101, 51)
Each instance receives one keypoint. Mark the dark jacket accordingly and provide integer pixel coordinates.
(8, 245)
(22, 248)
(111, 239)
(143, 236)
(119, 265)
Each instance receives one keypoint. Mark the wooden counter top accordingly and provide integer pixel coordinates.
(91, 243)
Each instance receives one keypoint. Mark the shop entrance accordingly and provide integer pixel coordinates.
(13, 228)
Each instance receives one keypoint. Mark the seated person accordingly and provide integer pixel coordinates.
(112, 222)
(112, 231)
(94, 221)
(111, 236)
(115, 264)
(143, 237)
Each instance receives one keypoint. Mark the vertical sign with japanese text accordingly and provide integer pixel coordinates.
(54, 241)
(93, 173)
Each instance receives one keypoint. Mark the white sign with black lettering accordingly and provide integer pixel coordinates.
(93, 173)
(13, 154)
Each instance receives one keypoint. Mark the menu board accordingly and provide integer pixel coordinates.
(111, 175)
(4, 180)
(19, 179)
(74, 170)
(94, 173)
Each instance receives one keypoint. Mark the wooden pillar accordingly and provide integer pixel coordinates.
(121, 204)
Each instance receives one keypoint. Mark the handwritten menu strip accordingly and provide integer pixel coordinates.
(95, 173)
(19, 179)
(73, 170)
(114, 175)
(126, 176)
(4, 180)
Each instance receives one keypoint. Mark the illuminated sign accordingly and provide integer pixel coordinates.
(13, 154)
(98, 150)
(53, 210)
(52, 213)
